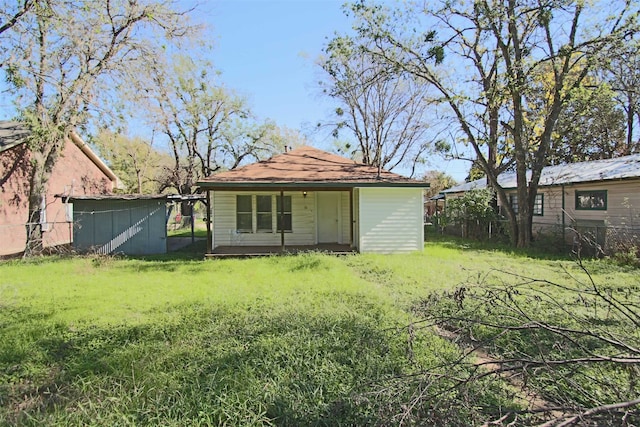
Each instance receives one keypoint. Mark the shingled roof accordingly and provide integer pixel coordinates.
(307, 167)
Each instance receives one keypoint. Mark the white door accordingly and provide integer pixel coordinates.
(328, 210)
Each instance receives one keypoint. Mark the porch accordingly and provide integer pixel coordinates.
(256, 251)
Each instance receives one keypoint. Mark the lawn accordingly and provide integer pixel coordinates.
(296, 340)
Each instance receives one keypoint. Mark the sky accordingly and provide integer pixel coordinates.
(266, 51)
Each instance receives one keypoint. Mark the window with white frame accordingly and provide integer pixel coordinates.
(256, 214)
(264, 209)
(244, 214)
(284, 216)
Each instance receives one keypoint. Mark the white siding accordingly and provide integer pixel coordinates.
(224, 221)
(390, 220)
(345, 217)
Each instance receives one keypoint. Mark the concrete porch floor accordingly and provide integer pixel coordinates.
(255, 251)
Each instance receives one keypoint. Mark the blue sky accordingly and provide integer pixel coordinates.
(266, 50)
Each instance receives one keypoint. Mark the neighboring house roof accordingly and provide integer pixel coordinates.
(15, 133)
(308, 167)
(593, 171)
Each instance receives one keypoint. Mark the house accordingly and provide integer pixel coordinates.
(309, 198)
(127, 224)
(600, 196)
(78, 171)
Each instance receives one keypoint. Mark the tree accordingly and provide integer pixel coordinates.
(207, 126)
(591, 127)
(134, 160)
(383, 108)
(623, 74)
(438, 181)
(62, 72)
(480, 59)
(12, 11)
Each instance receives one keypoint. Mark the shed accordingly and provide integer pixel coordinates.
(128, 224)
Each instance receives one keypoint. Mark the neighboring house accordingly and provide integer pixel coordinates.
(600, 195)
(311, 198)
(78, 171)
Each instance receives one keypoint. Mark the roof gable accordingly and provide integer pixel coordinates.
(307, 166)
(14, 133)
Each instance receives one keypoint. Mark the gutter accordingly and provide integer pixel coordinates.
(95, 159)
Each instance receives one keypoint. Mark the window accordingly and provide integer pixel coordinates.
(538, 204)
(256, 214)
(244, 216)
(591, 200)
(513, 201)
(263, 213)
(287, 213)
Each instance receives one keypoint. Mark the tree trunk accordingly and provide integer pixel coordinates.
(37, 190)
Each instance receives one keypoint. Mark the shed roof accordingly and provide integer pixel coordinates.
(113, 197)
(593, 171)
(307, 167)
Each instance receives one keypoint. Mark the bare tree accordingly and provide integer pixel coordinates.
(623, 73)
(12, 11)
(208, 127)
(481, 58)
(383, 108)
(62, 71)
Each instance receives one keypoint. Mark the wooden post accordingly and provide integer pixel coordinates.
(282, 220)
(351, 215)
(209, 242)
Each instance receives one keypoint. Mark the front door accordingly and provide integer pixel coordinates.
(328, 215)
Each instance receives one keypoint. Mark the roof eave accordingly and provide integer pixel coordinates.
(205, 185)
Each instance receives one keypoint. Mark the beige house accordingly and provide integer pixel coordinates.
(600, 197)
(308, 198)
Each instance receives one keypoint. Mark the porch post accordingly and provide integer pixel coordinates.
(351, 215)
(209, 242)
(282, 220)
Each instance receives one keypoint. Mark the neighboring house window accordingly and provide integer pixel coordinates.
(538, 204)
(513, 201)
(287, 213)
(595, 200)
(263, 213)
(244, 214)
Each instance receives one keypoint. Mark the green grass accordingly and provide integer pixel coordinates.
(299, 340)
